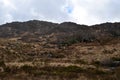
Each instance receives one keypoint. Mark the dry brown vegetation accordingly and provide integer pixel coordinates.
(65, 51)
(79, 61)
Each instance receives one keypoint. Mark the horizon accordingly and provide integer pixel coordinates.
(57, 22)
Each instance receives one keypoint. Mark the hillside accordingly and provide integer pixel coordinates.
(38, 50)
(36, 29)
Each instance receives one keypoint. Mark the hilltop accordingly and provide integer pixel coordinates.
(66, 30)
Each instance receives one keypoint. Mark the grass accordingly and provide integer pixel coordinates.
(69, 72)
(45, 68)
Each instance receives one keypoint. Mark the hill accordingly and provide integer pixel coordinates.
(35, 29)
(39, 50)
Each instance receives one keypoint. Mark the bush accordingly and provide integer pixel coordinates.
(116, 58)
(99, 72)
(7, 69)
(73, 69)
(96, 63)
(27, 68)
(80, 61)
(2, 63)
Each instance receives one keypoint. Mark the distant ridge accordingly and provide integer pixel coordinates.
(62, 31)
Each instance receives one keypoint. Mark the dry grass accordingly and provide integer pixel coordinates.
(78, 62)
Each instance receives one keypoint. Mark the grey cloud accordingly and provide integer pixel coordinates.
(35, 9)
(108, 12)
(54, 10)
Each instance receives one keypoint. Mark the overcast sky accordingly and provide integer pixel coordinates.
(80, 11)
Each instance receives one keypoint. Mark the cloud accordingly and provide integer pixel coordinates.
(95, 11)
(22, 10)
(79, 11)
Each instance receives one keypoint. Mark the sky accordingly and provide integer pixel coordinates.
(87, 12)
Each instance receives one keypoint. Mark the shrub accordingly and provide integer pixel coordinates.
(73, 69)
(116, 58)
(27, 68)
(96, 63)
(2, 63)
(7, 69)
(99, 72)
(80, 61)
